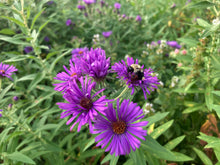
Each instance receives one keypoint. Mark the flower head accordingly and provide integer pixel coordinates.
(135, 76)
(78, 52)
(95, 64)
(107, 34)
(117, 5)
(15, 98)
(7, 70)
(0, 113)
(119, 129)
(82, 105)
(68, 22)
(88, 2)
(73, 73)
(47, 39)
(28, 49)
(138, 18)
(81, 7)
(173, 44)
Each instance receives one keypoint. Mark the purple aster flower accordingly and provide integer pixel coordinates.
(173, 44)
(135, 76)
(81, 7)
(159, 42)
(88, 2)
(7, 70)
(117, 5)
(173, 6)
(120, 129)
(81, 105)
(15, 98)
(47, 39)
(106, 34)
(68, 22)
(73, 73)
(0, 113)
(78, 52)
(123, 15)
(28, 49)
(138, 18)
(95, 64)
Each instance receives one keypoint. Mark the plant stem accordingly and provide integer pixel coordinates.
(125, 89)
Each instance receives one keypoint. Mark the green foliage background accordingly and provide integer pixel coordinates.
(31, 131)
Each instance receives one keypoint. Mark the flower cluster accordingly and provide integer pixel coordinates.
(118, 128)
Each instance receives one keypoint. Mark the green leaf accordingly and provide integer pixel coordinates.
(194, 108)
(173, 143)
(91, 153)
(28, 77)
(158, 116)
(188, 41)
(4, 91)
(203, 23)
(18, 58)
(114, 160)
(217, 109)
(209, 97)
(42, 26)
(13, 40)
(138, 157)
(156, 150)
(216, 92)
(203, 4)
(35, 18)
(7, 31)
(210, 30)
(36, 80)
(14, 20)
(91, 142)
(161, 129)
(203, 156)
(17, 156)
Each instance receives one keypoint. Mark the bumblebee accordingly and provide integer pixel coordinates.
(137, 73)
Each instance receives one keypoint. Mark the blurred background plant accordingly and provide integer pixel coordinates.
(179, 40)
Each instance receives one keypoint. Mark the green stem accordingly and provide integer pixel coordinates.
(125, 89)
(0, 84)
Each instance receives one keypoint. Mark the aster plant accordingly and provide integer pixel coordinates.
(0, 113)
(135, 76)
(82, 105)
(120, 129)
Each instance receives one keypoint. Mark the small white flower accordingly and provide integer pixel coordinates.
(216, 21)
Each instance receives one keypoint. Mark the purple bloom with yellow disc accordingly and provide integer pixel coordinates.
(73, 73)
(95, 64)
(136, 76)
(82, 106)
(107, 34)
(88, 2)
(7, 70)
(0, 113)
(174, 44)
(138, 18)
(120, 130)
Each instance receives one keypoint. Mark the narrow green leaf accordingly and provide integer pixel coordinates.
(216, 92)
(203, 4)
(114, 160)
(107, 158)
(158, 116)
(28, 77)
(91, 153)
(188, 41)
(209, 97)
(17, 156)
(7, 32)
(13, 40)
(161, 129)
(203, 156)
(4, 91)
(203, 23)
(138, 157)
(91, 142)
(37, 79)
(18, 58)
(173, 143)
(217, 109)
(35, 18)
(14, 20)
(194, 108)
(42, 26)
